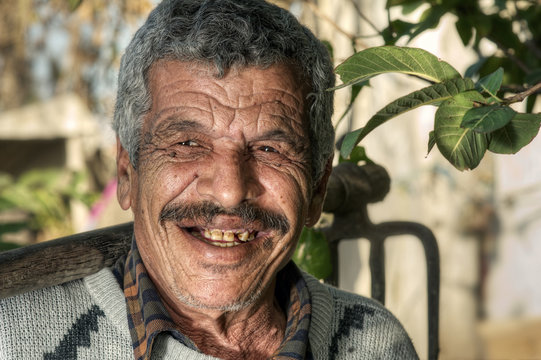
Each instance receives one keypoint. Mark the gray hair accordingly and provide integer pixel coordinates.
(225, 33)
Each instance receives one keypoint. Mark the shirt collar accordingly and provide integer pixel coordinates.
(147, 316)
(293, 295)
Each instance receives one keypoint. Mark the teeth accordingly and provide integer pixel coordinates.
(226, 238)
(243, 236)
(223, 244)
(229, 236)
(216, 235)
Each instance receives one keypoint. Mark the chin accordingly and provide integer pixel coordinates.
(221, 303)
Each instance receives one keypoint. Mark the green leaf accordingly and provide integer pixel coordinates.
(349, 142)
(313, 254)
(464, 29)
(74, 4)
(6, 204)
(426, 96)
(396, 30)
(491, 83)
(410, 6)
(391, 3)
(5, 246)
(329, 47)
(374, 61)
(482, 25)
(355, 90)
(12, 227)
(474, 68)
(429, 19)
(357, 155)
(534, 77)
(514, 136)
(463, 148)
(530, 103)
(486, 119)
(501, 4)
(431, 142)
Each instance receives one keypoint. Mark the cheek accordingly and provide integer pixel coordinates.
(287, 191)
(166, 181)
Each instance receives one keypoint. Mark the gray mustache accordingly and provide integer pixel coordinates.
(206, 211)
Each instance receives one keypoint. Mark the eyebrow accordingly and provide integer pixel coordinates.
(178, 125)
(281, 135)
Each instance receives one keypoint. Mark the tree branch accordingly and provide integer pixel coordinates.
(353, 38)
(320, 14)
(363, 16)
(523, 95)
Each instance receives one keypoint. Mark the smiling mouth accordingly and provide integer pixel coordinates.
(223, 238)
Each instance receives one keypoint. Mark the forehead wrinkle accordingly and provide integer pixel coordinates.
(177, 109)
(284, 97)
(178, 125)
(280, 135)
(174, 116)
(281, 110)
(285, 94)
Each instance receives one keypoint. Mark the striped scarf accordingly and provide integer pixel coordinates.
(147, 316)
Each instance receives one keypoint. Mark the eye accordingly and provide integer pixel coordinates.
(188, 143)
(266, 148)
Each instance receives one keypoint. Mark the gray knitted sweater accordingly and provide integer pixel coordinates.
(87, 319)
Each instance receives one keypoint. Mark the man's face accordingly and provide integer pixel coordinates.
(222, 187)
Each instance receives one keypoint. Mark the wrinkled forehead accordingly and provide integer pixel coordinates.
(239, 88)
(290, 72)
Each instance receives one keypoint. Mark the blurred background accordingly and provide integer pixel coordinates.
(58, 66)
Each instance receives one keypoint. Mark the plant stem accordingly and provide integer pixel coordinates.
(523, 95)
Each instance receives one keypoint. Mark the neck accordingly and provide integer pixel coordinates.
(254, 332)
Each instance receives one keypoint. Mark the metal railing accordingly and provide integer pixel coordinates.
(353, 188)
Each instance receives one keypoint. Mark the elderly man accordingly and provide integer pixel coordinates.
(224, 150)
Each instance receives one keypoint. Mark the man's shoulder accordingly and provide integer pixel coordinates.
(59, 321)
(343, 300)
(356, 327)
(362, 305)
(65, 297)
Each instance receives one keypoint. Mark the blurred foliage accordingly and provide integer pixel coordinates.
(312, 253)
(5, 246)
(513, 26)
(57, 46)
(44, 197)
(49, 48)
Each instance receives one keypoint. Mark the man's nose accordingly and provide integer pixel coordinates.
(228, 180)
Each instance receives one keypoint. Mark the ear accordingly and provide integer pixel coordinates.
(318, 196)
(125, 174)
